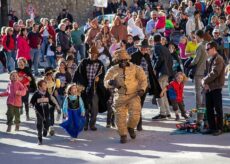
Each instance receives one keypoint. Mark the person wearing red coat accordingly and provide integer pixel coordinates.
(23, 46)
(9, 46)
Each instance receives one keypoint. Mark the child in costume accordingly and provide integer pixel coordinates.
(176, 91)
(41, 100)
(52, 85)
(15, 90)
(73, 109)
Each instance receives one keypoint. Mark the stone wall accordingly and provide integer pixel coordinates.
(80, 9)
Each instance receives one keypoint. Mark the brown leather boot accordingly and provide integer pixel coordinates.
(17, 127)
(8, 128)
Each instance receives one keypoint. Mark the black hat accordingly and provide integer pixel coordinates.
(136, 38)
(49, 70)
(144, 43)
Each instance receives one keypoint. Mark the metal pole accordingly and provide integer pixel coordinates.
(102, 10)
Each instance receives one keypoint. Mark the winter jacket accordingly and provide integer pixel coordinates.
(216, 73)
(12, 88)
(23, 48)
(178, 90)
(191, 26)
(91, 34)
(8, 43)
(154, 88)
(50, 30)
(163, 62)
(200, 59)
(63, 40)
(161, 22)
(119, 31)
(131, 79)
(134, 30)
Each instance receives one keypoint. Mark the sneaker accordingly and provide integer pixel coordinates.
(123, 139)
(39, 140)
(177, 117)
(93, 128)
(159, 116)
(8, 128)
(217, 133)
(132, 133)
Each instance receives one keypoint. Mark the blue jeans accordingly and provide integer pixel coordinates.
(10, 61)
(81, 50)
(51, 61)
(43, 46)
(35, 56)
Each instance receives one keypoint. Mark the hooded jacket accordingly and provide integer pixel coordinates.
(119, 31)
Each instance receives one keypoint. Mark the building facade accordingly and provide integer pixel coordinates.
(80, 9)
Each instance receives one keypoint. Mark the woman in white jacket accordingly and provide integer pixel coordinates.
(134, 30)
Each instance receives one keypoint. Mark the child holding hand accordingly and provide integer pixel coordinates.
(176, 91)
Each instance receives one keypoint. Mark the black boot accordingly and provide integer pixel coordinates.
(39, 140)
(86, 126)
(123, 139)
(108, 125)
(27, 112)
(139, 126)
(113, 120)
(93, 128)
(44, 133)
(132, 133)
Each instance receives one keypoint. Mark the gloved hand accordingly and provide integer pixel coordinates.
(140, 93)
(113, 83)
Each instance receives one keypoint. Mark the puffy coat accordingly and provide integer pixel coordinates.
(130, 80)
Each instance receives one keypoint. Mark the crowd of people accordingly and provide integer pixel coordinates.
(99, 67)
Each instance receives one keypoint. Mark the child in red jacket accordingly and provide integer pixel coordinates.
(176, 91)
(15, 90)
(161, 22)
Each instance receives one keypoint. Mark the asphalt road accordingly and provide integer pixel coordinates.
(157, 143)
